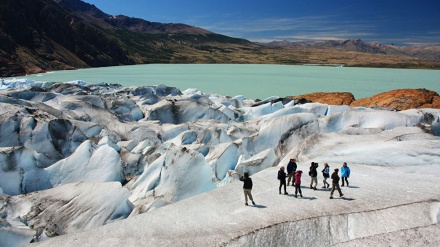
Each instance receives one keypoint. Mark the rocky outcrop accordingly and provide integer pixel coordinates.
(326, 98)
(401, 99)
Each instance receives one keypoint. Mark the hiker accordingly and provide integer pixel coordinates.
(291, 169)
(335, 184)
(247, 188)
(282, 177)
(326, 174)
(298, 183)
(345, 173)
(313, 173)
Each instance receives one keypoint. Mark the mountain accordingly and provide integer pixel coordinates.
(44, 35)
(92, 13)
(41, 35)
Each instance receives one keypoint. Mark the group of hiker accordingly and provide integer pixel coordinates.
(293, 175)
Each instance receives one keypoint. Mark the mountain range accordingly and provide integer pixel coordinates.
(358, 45)
(44, 35)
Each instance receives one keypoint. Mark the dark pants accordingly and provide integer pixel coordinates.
(346, 180)
(283, 183)
(325, 182)
(298, 189)
(335, 186)
(291, 177)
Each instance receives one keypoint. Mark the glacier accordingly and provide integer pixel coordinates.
(104, 165)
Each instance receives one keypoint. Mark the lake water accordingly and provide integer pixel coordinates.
(256, 81)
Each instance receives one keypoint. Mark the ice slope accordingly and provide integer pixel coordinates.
(166, 148)
(62, 210)
(380, 201)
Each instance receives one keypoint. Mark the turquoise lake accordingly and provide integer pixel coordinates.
(255, 81)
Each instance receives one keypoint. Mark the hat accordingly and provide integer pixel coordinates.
(336, 169)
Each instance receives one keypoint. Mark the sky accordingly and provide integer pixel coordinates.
(399, 22)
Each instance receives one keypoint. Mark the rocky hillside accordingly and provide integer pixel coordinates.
(41, 35)
(92, 13)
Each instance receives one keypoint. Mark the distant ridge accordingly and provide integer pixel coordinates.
(358, 45)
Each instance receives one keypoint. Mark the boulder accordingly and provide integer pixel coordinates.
(401, 99)
(332, 98)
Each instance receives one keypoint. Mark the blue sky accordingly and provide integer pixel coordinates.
(401, 22)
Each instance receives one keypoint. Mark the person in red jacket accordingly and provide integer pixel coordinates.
(298, 183)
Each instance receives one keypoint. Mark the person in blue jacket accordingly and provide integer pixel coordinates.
(345, 173)
(326, 174)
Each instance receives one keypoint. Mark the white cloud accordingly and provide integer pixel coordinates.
(330, 27)
(302, 28)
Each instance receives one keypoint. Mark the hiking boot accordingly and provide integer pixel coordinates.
(328, 185)
(341, 195)
(331, 197)
(301, 195)
(311, 187)
(280, 192)
(285, 193)
(253, 203)
(323, 187)
(246, 204)
(295, 196)
(314, 188)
